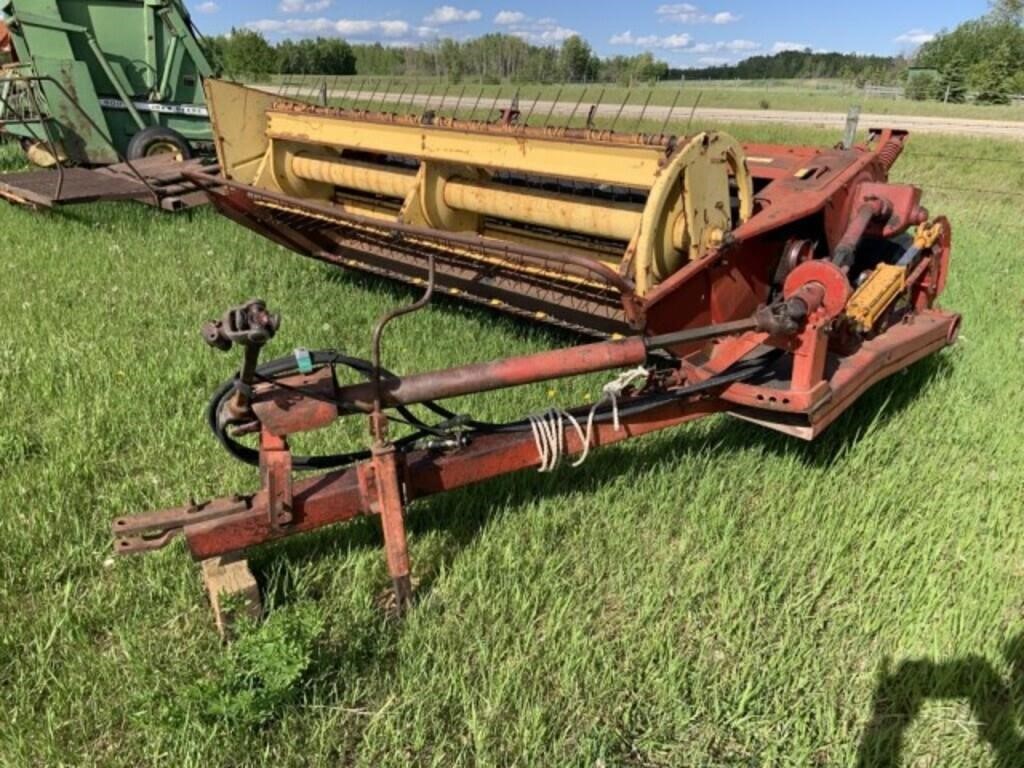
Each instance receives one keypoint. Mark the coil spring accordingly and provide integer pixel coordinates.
(889, 152)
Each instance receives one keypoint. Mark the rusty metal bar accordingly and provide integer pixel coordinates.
(526, 369)
(339, 496)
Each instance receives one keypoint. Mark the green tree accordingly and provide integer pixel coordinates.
(1007, 11)
(576, 59)
(920, 86)
(451, 60)
(993, 77)
(247, 53)
(973, 42)
(952, 85)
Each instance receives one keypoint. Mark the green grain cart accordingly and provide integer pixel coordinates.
(88, 82)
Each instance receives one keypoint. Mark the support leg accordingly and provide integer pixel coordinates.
(392, 514)
(233, 591)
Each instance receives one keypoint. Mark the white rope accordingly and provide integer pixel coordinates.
(613, 391)
(549, 427)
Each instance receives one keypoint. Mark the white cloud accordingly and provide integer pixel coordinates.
(681, 42)
(668, 42)
(687, 13)
(736, 46)
(321, 26)
(302, 6)
(209, 7)
(915, 37)
(784, 45)
(713, 60)
(508, 18)
(546, 31)
(449, 14)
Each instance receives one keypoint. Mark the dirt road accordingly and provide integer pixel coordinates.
(1003, 129)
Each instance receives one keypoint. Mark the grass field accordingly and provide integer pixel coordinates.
(814, 96)
(714, 595)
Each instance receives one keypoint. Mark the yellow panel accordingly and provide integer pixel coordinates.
(596, 162)
(239, 127)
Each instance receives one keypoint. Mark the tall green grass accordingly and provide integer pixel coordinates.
(712, 595)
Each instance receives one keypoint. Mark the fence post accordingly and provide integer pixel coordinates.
(852, 120)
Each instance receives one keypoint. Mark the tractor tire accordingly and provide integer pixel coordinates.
(157, 140)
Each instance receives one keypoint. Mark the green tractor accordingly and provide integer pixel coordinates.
(92, 82)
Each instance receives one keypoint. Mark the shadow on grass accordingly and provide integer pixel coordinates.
(995, 702)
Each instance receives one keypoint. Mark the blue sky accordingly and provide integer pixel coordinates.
(688, 34)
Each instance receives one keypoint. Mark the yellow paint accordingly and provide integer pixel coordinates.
(876, 295)
(605, 163)
(448, 183)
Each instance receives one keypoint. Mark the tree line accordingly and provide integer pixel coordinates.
(492, 58)
(806, 64)
(981, 59)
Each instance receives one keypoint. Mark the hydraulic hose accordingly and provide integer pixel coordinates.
(287, 365)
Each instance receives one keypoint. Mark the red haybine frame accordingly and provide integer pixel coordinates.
(783, 314)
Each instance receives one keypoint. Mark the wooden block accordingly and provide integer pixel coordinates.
(233, 591)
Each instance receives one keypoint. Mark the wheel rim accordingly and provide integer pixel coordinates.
(158, 148)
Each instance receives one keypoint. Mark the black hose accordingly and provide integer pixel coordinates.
(287, 365)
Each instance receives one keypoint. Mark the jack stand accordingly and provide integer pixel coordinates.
(233, 592)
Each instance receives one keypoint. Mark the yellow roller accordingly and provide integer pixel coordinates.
(645, 205)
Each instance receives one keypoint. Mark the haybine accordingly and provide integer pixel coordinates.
(773, 283)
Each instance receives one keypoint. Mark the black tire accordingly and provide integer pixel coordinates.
(157, 140)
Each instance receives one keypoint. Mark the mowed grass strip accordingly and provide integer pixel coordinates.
(712, 595)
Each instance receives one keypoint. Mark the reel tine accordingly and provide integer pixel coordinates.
(592, 114)
(554, 104)
(426, 105)
(693, 112)
(668, 117)
(494, 104)
(622, 106)
(412, 99)
(643, 112)
(579, 101)
(458, 103)
(383, 95)
(533, 106)
(344, 96)
(477, 103)
(401, 95)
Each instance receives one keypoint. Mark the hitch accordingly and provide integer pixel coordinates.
(250, 325)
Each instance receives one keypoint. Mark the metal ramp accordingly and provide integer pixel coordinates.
(162, 182)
